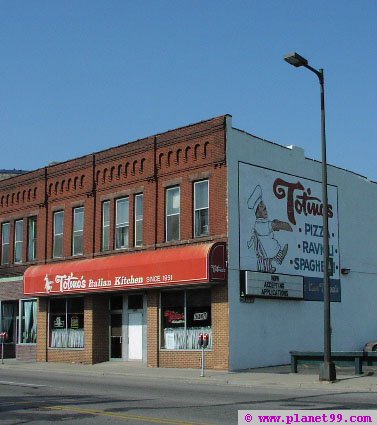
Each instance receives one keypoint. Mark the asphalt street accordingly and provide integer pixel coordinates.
(81, 396)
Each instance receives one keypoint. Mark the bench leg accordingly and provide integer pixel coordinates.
(358, 365)
(293, 364)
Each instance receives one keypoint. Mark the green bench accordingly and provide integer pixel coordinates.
(355, 357)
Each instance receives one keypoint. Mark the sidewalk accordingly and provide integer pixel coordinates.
(278, 377)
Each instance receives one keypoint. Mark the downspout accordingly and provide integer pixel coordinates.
(94, 194)
(46, 214)
(155, 178)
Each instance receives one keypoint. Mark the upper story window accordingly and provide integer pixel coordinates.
(173, 211)
(57, 250)
(18, 240)
(139, 220)
(121, 223)
(5, 243)
(105, 226)
(201, 208)
(78, 231)
(32, 239)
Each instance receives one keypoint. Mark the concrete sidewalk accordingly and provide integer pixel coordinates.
(279, 377)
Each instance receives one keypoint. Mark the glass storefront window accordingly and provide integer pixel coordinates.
(184, 315)
(9, 312)
(66, 322)
(28, 334)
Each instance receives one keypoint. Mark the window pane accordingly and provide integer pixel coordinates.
(78, 219)
(58, 234)
(67, 323)
(173, 320)
(18, 240)
(135, 302)
(122, 211)
(121, 237)
(57, 305)
(8, 313)
(201, 222)
(139, 207)
(78, 244)
(75, 305)
(201, 194)
(198, 305)
(5, 243)
(172, 201)
(139, 220)
(58, 246)
(5, 232)
(78, 231)
(58, 222)
(28, 322)
(139, 233)
(32, 239)
(172, 228)
(116, 302)
(106, 226)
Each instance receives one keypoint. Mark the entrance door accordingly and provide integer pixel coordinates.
(135, 336)
(116, 335)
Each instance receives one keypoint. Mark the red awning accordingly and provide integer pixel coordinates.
(199, 263)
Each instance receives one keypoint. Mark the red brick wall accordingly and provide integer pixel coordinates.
(26, 352)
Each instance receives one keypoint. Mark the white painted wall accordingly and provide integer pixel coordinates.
(262, 333)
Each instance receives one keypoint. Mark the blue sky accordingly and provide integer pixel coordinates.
(80, 76)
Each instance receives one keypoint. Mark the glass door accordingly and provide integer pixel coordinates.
(116, 327)
(116, 339)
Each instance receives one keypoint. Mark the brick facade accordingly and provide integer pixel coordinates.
(148, 166)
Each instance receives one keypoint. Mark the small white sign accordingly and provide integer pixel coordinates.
(273, 285)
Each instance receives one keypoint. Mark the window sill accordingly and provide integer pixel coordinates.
(66, 348)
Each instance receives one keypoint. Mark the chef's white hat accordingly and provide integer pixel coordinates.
(255, 198)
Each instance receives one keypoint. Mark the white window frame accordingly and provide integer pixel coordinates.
(105, 245)
(124, 224)
(5, 243)
(18, 240)
(56, 235)
(138, 241)
(199, 209)
(78, 233)
(167, 215)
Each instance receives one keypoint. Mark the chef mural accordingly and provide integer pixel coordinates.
(281, 224)
(267, 248)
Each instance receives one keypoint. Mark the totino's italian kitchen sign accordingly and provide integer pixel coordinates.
(193, 264)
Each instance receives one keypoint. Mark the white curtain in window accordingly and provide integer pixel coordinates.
(34, 327)
(28, 313)
(67, 338)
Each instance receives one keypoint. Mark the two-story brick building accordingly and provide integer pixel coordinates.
(132, 252)
(123, 252)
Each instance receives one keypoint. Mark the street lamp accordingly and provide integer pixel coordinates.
(327, 371)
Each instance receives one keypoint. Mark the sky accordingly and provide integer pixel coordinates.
(80, 76)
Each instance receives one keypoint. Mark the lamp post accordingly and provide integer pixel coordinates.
(327, 371)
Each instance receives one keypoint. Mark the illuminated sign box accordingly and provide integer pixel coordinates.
(273, 285)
